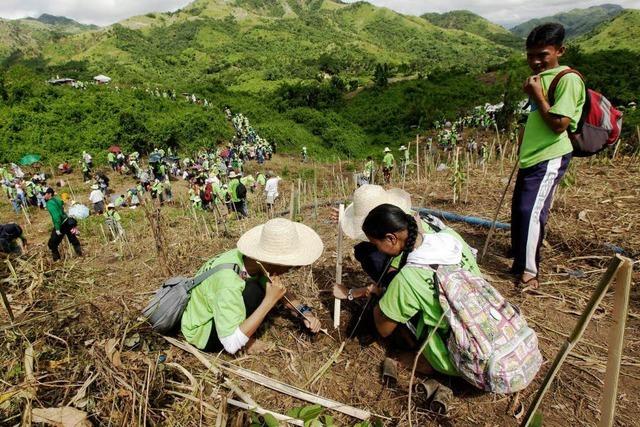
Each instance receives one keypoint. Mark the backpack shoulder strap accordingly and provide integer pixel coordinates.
(556, 80)
(206, 274)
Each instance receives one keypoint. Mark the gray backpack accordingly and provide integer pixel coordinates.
(164, 312)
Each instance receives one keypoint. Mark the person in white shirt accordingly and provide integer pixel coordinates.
(271, 190)
(97, 198)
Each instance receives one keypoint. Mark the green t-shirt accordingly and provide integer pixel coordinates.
(218, 298)
(262, 180)
(540, 143)
(232, 189)
(413, 290)
(388, 160)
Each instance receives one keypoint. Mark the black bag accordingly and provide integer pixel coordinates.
(164, 311)
(241, 191)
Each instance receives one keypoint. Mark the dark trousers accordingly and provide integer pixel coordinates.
(55, 240)
(252, 295)
(532, 196)
(373, 263)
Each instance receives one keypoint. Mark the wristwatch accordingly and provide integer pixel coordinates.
(350, 294)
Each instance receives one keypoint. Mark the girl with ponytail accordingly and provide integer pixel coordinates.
(413, 290)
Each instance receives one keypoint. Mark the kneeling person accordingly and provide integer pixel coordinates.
(227, 308)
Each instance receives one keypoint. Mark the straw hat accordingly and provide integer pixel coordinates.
(111, 206)
(95, 187)
(387, 150)
(281, 242)
(233, 174)
(402, 148)
(365, 198)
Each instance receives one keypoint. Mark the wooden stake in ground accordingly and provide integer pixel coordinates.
(336, 301)
(418, 158)
(495, 215)
(616, 340)
(7, 306)
(613, 364)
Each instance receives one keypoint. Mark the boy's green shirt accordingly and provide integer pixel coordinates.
(232, 189)
(540, 143)
(54, 206)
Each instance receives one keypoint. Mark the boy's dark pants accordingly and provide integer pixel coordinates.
(532, 196)
(55, 240)
(252, 295)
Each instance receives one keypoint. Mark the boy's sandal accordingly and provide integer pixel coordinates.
(529, 285)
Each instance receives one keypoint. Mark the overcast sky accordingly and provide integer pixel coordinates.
(104, 12)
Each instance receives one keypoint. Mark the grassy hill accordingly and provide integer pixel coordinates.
(623, 32)
(575, 21)
(470, 22)
(253, 45)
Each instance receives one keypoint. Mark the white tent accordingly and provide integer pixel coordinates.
(102, 79)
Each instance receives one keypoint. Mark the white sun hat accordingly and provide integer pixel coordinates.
(281, 242)
(402, 148)
(233, 174)
(365, 198)
(387, 150)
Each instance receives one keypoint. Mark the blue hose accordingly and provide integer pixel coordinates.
(473, 220)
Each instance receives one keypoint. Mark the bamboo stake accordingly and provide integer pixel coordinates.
(292, 201)
(616, 341)
(497, 212)
(579, 329)
(336, 301)
(269, 382)
(417, 158)
(7, 305)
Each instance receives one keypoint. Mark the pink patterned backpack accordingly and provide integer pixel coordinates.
(490, 343)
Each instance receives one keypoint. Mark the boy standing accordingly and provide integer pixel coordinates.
(62, 226)
(545, 151)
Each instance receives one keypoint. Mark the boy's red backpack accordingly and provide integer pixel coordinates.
(600, 123)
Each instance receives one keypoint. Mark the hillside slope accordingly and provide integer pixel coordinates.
(254, 44)
(623, 32)
(470, 22)
(575, 21)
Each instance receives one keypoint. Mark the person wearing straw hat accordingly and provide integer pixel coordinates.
(227, 308)
(388, 162)
(97, 198)
(379, 267)
(113, 221)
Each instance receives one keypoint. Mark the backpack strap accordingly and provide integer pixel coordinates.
(554, 83)
(206, 274)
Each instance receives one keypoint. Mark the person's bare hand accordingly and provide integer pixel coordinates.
(533, 87)
(334, 215)
(275, 290)
(312, 322)
(340, 291)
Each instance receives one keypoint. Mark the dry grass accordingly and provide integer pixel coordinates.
(91, 350)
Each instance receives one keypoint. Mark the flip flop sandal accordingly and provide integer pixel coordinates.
(441, 399)
(529, 285)
(390, 371)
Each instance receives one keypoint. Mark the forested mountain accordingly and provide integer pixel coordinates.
(470, 22)
(622, 32)
(575, 21)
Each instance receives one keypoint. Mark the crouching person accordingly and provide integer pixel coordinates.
(227, 308)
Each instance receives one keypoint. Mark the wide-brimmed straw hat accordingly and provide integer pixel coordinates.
(233, 174)
(387, 150)
(365, 198)
(281, 242)
(402, 148)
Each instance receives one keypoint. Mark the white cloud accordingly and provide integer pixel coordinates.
(104, 12)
